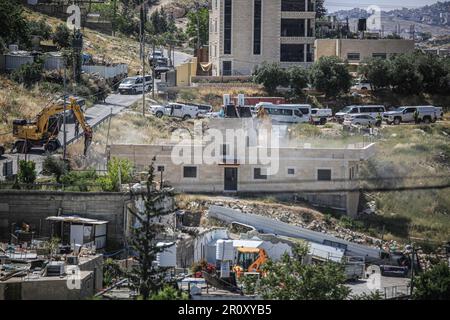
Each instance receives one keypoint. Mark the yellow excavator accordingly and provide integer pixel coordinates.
(249, 260)
(43, 130)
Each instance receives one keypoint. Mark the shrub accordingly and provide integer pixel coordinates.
(377, 71)
(79, 180)
(55, 166)
(298, 79)
(28, 73)
(40, 28)
(119, 171)
(61, 37)
(27, 171)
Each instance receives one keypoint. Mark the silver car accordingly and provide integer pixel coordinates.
(360, 120)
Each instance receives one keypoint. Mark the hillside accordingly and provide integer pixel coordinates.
(432, 19)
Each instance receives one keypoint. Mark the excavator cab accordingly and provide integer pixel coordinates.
(249, 260)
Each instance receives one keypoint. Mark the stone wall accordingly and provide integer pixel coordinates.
(33, 207)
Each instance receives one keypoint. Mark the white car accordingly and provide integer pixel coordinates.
(360, 120)
(321, 116)
(404, 114)
(133, 85)
(177, 110)
(361, 85)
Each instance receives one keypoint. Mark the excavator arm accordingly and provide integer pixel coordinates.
(256, 265)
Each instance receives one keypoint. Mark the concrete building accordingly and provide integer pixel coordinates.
(243, 34)
(324, 176)
(356, 50)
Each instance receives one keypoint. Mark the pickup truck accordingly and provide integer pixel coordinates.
(177, 110)
(427, 114)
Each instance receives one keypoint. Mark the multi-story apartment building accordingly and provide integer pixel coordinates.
(245, 33)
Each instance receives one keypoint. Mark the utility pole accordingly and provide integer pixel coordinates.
(64, 113)
(114, 25)
(142, 37)
(412, 270)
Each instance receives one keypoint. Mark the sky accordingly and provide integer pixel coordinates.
(385, 5)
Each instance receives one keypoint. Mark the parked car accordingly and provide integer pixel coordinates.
(321, 116)
(360, 84)
(289, 113)
(427, 114)
(371, 110)
(133, 85)
(360, 120)
(178, 110)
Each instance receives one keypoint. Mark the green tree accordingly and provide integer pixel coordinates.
(298, 79)
(320, 9)
(111, 272)
(62, 37)
(13, 25)
(55, 166)
(198, 26)
(433, 284)
(40, 28)
(146, 277)
(170, 293)
(377, 71)
(435, 72)
(331, 76)
(27, 171)
(406, 77)
(291, 279)
(271, 75)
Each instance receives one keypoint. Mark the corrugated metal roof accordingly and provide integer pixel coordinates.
(75, 219)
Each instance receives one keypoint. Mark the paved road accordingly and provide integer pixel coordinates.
(95, 115)
(180, 57)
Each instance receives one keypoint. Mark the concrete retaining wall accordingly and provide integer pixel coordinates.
(33, 207)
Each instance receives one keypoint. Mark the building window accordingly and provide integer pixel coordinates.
(257, 174)
(226, 68)
(354, 56)
(160, 168)
(227, 27)
(257, 27)
(324, 174)
(292, 53)
(215, 25)
(290, 171)
(311, 6)
(379, 55)
(309, 54)
(189, 172)
(292, 5)
(292, 27)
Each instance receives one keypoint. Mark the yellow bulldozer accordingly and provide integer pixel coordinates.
(44, 129)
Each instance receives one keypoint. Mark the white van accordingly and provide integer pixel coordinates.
(133, 85)
(289, 113)
(321, 116)
(371, 110)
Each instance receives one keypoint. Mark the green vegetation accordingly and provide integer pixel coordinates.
(413, 73)
(62, 37)
(13, 26)
(330, 75)
(270, 75)
(28, 73)
(27, 171)
(298, 78)
(55, 166)
(170, 293)
(146, 277)
(198, 27)
(289, 279)
(433, 284)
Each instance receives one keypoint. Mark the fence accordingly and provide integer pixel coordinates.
(106, 72)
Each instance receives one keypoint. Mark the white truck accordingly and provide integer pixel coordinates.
(321, 116)
(427, 114)
(177, 110)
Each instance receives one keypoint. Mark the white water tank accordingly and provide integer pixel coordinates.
(224, 250)
(168, 257)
